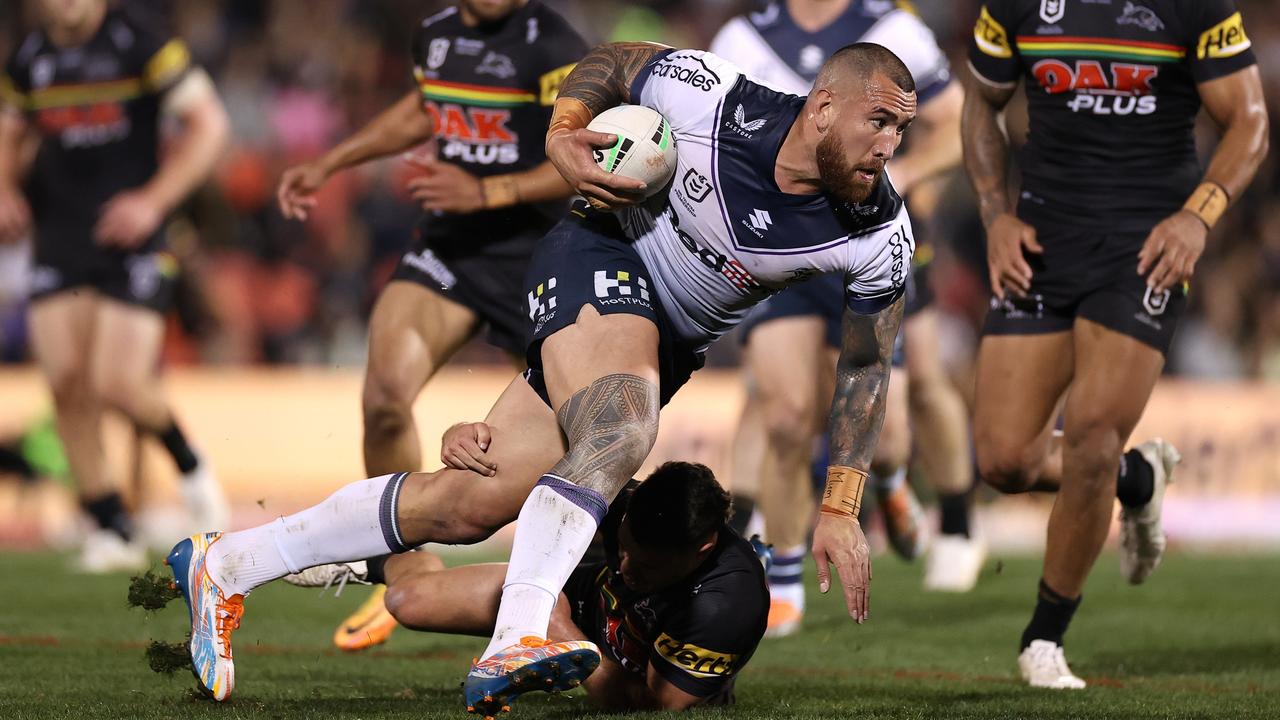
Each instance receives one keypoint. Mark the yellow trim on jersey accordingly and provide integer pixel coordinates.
(1224, 40)
(549, 84)
(166, 65)
(85, 94)
(991, 37)
(10, 94)
(697, 661)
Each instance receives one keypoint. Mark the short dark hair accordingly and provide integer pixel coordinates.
(865, 59)
(678, 506)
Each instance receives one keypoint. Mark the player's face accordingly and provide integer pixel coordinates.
(647, 570)
(490, 10)
(70, 13)
(868, 128)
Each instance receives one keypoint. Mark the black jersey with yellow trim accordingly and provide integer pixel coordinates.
(96, 107)
(490, 88)
(1112, 97)
(696, 634)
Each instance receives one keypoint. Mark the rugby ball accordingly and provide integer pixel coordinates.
(645, 150)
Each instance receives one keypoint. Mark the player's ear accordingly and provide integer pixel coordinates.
(823, 110)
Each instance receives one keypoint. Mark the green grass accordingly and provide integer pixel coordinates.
(1201, 639)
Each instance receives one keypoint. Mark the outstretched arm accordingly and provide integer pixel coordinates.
(857, 412)
(599, 81)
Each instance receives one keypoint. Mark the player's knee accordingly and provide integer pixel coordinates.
(789, 422)
(387, 411)
(121, 394)
(1091, 448)
(893, 449)
(71, 388)
(406, 601)
(1005, 467)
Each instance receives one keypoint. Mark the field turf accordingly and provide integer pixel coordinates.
(1200, 639)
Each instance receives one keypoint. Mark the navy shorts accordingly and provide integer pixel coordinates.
(586, 259)
(823, 297)
(142, 279)
(482, 271)
(1091, 275)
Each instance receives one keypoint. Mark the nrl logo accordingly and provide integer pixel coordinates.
(1051, 11)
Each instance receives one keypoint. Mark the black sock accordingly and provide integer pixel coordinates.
(743, 507)
(108, 511)
(1051, 618)
(176, 443)
(1136, 482)
(955, 513)
(377, 569)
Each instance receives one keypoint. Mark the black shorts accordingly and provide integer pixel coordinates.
(823, 297)
(143, 279)
(1091, 275)
(586, 259)
(482, 272)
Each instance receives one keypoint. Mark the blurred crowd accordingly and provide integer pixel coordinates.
(298, 75)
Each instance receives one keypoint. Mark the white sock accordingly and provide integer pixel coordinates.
(555, 527)
(786, 577)
(357, 521)
(885, 486)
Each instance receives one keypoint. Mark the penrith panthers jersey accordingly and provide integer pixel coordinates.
(725, 236)
(1111, 87)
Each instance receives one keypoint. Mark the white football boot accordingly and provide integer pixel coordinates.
(1044, 665)
(954, 563)
(1142, 540)
(104, 551)
(331, 574)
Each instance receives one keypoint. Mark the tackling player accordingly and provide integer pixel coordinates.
(95, 84)
(1090, 268)
(677, 605)
(791, 340)
(487, 72)
(624, 305)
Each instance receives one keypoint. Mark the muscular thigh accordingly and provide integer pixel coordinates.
(413, 331)
(787, 359)
(463, 506)
(1114, 376)
(62, 328)
(597, 346)
(126, 344)
(1021, 379)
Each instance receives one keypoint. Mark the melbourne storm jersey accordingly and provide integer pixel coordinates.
(96, 108)
(697, 634)
(725, 236)
(490, 88)
(768, 45)
(1112, 98)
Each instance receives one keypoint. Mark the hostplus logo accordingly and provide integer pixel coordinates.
(542, 304)
(621, 288)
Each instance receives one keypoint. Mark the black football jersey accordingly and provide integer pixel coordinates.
(96, 108)
(1111, 88)
(697, 634)
(490, 88)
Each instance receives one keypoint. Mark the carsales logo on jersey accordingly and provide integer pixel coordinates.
(474, 135)
(1127, 91)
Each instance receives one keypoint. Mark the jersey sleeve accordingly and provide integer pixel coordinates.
(1221, 44)
(879, 263)
(993, 54)
(914, 43)
(164, 60)
(685, 86)
(705, 646)
(563, 50)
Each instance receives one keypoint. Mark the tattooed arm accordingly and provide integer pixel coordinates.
(599, 81)
(857, 412)
(986, 158)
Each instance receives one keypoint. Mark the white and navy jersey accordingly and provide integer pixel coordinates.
(771, 48)
(725, 236)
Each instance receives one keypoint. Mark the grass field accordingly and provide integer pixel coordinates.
(1201, 639)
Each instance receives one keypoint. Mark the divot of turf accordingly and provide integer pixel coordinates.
(167, 658)
(152, 591)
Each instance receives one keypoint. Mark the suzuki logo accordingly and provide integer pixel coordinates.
(760, 219)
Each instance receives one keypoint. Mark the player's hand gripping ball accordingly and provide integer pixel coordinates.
(645, 150)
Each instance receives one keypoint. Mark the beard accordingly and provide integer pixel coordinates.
(838, 176)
